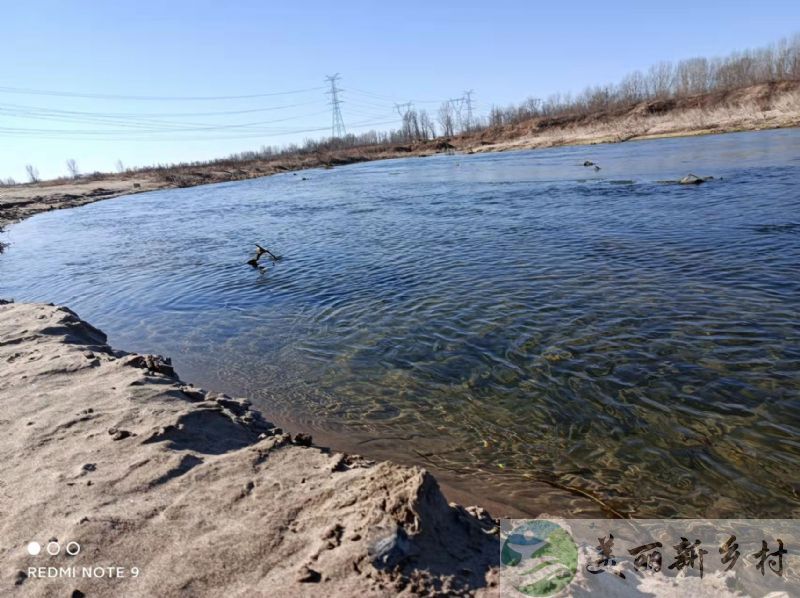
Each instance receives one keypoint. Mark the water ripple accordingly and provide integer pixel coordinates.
(515, 322)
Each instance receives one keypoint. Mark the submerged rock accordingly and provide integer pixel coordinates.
(692, 179)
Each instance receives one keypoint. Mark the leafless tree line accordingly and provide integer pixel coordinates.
(666, 80)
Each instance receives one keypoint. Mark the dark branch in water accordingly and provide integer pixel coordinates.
(260, 251)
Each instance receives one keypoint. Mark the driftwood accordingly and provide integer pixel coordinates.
(261, 251)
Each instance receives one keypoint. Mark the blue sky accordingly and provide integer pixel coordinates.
(424, 51)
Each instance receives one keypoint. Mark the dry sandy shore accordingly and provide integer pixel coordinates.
(112, 451)
(21, 201)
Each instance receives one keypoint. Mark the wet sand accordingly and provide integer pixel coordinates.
(197, 491)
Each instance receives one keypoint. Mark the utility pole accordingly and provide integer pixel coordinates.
(468, 101)
(403, 109)
(337, 122)
(458, 105)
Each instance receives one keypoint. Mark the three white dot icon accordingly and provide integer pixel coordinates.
(53, 548)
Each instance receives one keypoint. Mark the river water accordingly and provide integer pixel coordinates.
(538, 333)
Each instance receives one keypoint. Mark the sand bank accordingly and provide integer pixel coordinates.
(171, 490)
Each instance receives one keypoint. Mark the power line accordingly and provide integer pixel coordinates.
(165, 135)
(143, 115)
(337, 122)
(101, 96)
(155, 127)
(389, 98)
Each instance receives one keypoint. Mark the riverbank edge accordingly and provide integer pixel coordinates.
(114, 451)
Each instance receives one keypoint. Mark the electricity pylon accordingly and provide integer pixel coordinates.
(337, 122)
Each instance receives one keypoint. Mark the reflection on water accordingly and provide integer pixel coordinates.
(514, 321)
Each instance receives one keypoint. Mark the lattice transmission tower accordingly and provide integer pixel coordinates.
(337, 122)
(468, 102)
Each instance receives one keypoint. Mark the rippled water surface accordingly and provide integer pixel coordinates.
(536, 332)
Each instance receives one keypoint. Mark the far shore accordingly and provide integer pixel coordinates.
(757, 108)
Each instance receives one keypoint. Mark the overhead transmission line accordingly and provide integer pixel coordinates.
(4, 106)
(374, 109)
(103, 96)
(131, 135)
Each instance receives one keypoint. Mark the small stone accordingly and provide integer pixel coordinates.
(88, 355)
(303, 439)
(78, 594)
(20, 578)
(195, 394)
(692, 179)
(89, 467)
(121, 435)
(308, 575)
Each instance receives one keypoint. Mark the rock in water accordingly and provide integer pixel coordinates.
(691, 179)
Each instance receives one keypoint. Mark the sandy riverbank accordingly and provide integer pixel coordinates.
(766, 106)
(112, 451)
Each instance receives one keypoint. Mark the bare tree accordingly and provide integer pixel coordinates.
(633, 88)
(659, 80)
(72, 167)
(447, 119)
(120, 166)
(33, 173)
(426, 125)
